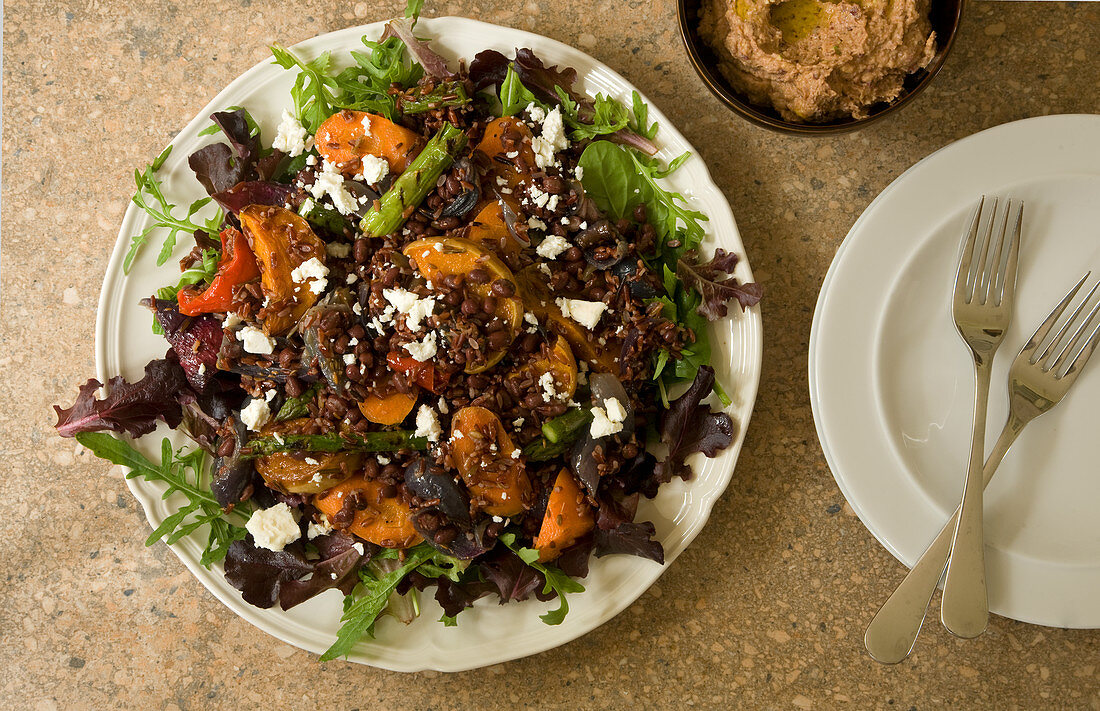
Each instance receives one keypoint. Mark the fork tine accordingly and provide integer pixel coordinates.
(1081, 329)
(1006, 286)
(1083, 355)
(962, 278)
(981, 269)
(1044, 328)
(1048, 352)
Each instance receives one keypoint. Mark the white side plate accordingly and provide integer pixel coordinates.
(488, 633)
(892, 384)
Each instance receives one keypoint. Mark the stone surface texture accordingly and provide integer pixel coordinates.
(765, 610)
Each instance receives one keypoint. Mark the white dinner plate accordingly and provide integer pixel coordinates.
(892, 384)
(488, 633)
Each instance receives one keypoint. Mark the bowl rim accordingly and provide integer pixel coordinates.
(717, 84)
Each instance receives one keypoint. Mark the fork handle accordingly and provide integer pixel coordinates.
(964, 608)
(893, 631)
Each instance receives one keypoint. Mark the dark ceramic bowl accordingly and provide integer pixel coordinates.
(945, 21)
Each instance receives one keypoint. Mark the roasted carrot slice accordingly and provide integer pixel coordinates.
(344, 139)
(568, 517)
(384, 521)
(482, 452)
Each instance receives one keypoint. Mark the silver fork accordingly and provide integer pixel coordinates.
(1037, 381)
(982, 307)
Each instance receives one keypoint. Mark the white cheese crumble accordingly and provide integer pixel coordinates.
(586, 313)
(349, 358)
(359, 548)
(340, 250)
(537, 196)
(536, 224)
(552, 246)
(292, 138)
(352, 278)
(256, 414)
(313, 271)
(518, 422)
(202, 368)
(551, 141)
(232, 320)
(516, 452)
(546, 382)
(255, 341)
(383, 460)
(424, 349)
(443, 405)
(366, 125)
(536, 112)
(374, 169)
(311, 160)
(579, 172)
(319, 528)
(427, 424)
(416, 309)
(608, 420)
(330, 182)
(273, 528)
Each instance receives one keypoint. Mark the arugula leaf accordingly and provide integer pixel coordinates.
(314, 89)
(183, 473)
(366, 602)
(607, 116)
(556, 580)
(148, 186)
(413, 9)
(641, 117)
(514, 96)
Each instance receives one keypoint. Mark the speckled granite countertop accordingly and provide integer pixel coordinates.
(765, 610)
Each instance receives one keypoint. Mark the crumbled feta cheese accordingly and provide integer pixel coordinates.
(518, 422)
(383, 460)
(579, 172)
(586, 313)
(311, 160)
(552, 203)
(608, 420)
(340, 250)
(366, 125)
(313, 272)
(273, 528)
(359, 548)
(512, 154)
(374, 169)
(292, 138)
(319, 528)
(551, 141)
(552, 246)
(427, 424)
(537, 196)
(415, 308)
(330, 182)
(516, 452)
(443, 405)
(424, 349)
(357, 309)
(549, 392)
(256, 414)
(544, 268)
(232, 320)
(457, 434)
(202, 368)
(311, 461)
(501, 181)
(536, 112)
(352, 278)
(255, 341)
(535, 223)
(349, 358)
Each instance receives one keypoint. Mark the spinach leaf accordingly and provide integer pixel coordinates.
(514, 96)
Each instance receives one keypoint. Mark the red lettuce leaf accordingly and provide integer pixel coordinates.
(216, 167)
(688, 426)
(235, 127)
(267, 577)
(513, 579)
(455, 597)
(488, 69)
(705, 277)
(434, 65)
(132, 408)
(629, 538)
(541, 80)
(253, 192)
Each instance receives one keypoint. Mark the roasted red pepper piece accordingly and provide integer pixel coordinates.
(236, 266)
(422, 374)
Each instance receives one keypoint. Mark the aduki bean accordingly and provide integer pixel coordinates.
(498, 340)
(452, 281)
(489, 304)
(362, 250)
(503, 287)
(470, 307)
(553, 184)
(452, 298)
(293, 386)
(478, 276)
